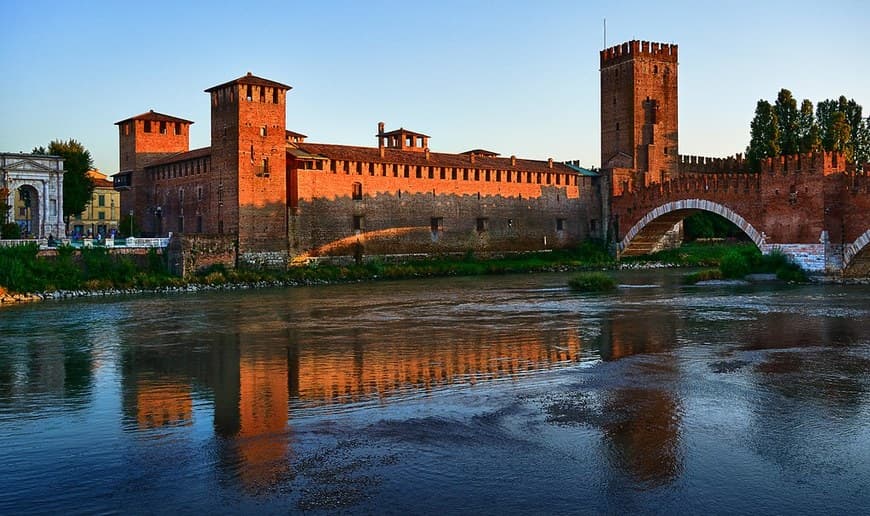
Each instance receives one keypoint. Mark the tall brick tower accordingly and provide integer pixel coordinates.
(143, 139)
(639, 140)
(248, 159)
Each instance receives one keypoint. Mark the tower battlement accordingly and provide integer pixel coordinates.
(635, 48)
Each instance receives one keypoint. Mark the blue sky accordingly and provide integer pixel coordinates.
(514, 77)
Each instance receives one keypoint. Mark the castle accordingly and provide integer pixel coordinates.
(279, 198)
(262, 194)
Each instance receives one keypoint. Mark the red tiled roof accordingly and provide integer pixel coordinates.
(402, 130)
(480, 152)
(288, 132)
(155, 116)
(181, 156)
(437, 159)
(251, 79)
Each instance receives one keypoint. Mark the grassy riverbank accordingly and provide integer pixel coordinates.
(21, 270)
(95, 269)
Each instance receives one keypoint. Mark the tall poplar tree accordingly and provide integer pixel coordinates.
(788, 119)
(808, 129)
(764, 134)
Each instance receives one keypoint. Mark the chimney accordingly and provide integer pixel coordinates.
(549, 162)
(381, 150)
(513, 161)
(380, 139)
(380, 128)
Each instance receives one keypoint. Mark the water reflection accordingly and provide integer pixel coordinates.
(240, 375)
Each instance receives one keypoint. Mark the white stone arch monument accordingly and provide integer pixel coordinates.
(42, 176)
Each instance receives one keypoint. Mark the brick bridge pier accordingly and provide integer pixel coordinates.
(811, 207)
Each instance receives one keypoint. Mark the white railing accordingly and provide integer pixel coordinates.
(89, 242)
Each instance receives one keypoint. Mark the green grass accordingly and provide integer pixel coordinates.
(704, 275)
(592, 282)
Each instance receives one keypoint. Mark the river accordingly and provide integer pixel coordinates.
(488, 395)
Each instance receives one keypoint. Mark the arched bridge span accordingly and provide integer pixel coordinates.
(644, 235)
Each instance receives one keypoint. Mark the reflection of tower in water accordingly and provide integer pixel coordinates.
(641, 423)
(251, 410)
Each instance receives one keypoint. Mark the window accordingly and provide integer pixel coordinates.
(617, 126)
(198, 193)
(181, 195)
(101, 200)
(177, 128)
(560, 224)
(655, 69)
(181, 224)
(147, 126)
(274, 95)
(357, 222)
(162, 127)
(510, 223)
(265, 167)
(263, 131)
(101, 215)
(482, 224)
(126, 129)
(249, 95)
(357, 192)
(262, 94)
(199, 223)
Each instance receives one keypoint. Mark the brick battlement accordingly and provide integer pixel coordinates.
(635, 48)
(824, 162)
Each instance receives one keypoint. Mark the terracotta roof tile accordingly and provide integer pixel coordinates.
(251, 79)
(438, 159)
(155, 116)
(182, 156)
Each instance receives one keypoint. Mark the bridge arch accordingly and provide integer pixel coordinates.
(654, 224)
(857, 251)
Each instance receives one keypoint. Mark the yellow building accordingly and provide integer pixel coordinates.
(102, 214)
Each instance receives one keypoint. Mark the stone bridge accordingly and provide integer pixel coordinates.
(811, 207)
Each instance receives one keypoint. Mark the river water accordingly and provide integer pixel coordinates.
(492, 395)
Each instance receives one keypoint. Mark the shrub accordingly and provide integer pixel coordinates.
(734, 264)
(10, 230)
(792, 273)
(704, 275)
(592, 282)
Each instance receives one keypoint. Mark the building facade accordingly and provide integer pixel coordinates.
(33, 189)
(103, 212)
(282, 198)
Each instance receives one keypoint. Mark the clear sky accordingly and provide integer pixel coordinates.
(515, 77)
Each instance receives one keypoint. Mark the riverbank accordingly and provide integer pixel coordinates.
(99, 276)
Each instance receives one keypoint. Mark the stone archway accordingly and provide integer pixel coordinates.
(856, 256)
(655, 223)
(28, 214)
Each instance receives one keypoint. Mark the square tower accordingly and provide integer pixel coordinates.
(639, 112)
(248, 159)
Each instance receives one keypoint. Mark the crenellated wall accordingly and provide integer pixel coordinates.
(809, 206)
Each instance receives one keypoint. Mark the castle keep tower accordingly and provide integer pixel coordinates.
(248, 118)
(145, 139)
(639, 112)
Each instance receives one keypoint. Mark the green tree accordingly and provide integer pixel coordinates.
(840, 134)
(764, 134)
(861, 143)
(788, 119)
(77, 184)
(810, 136)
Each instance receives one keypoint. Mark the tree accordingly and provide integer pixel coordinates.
(840, 134)
(77, 184)
(788, 119)
(861, 143)
(764, 134)
(808, 129)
